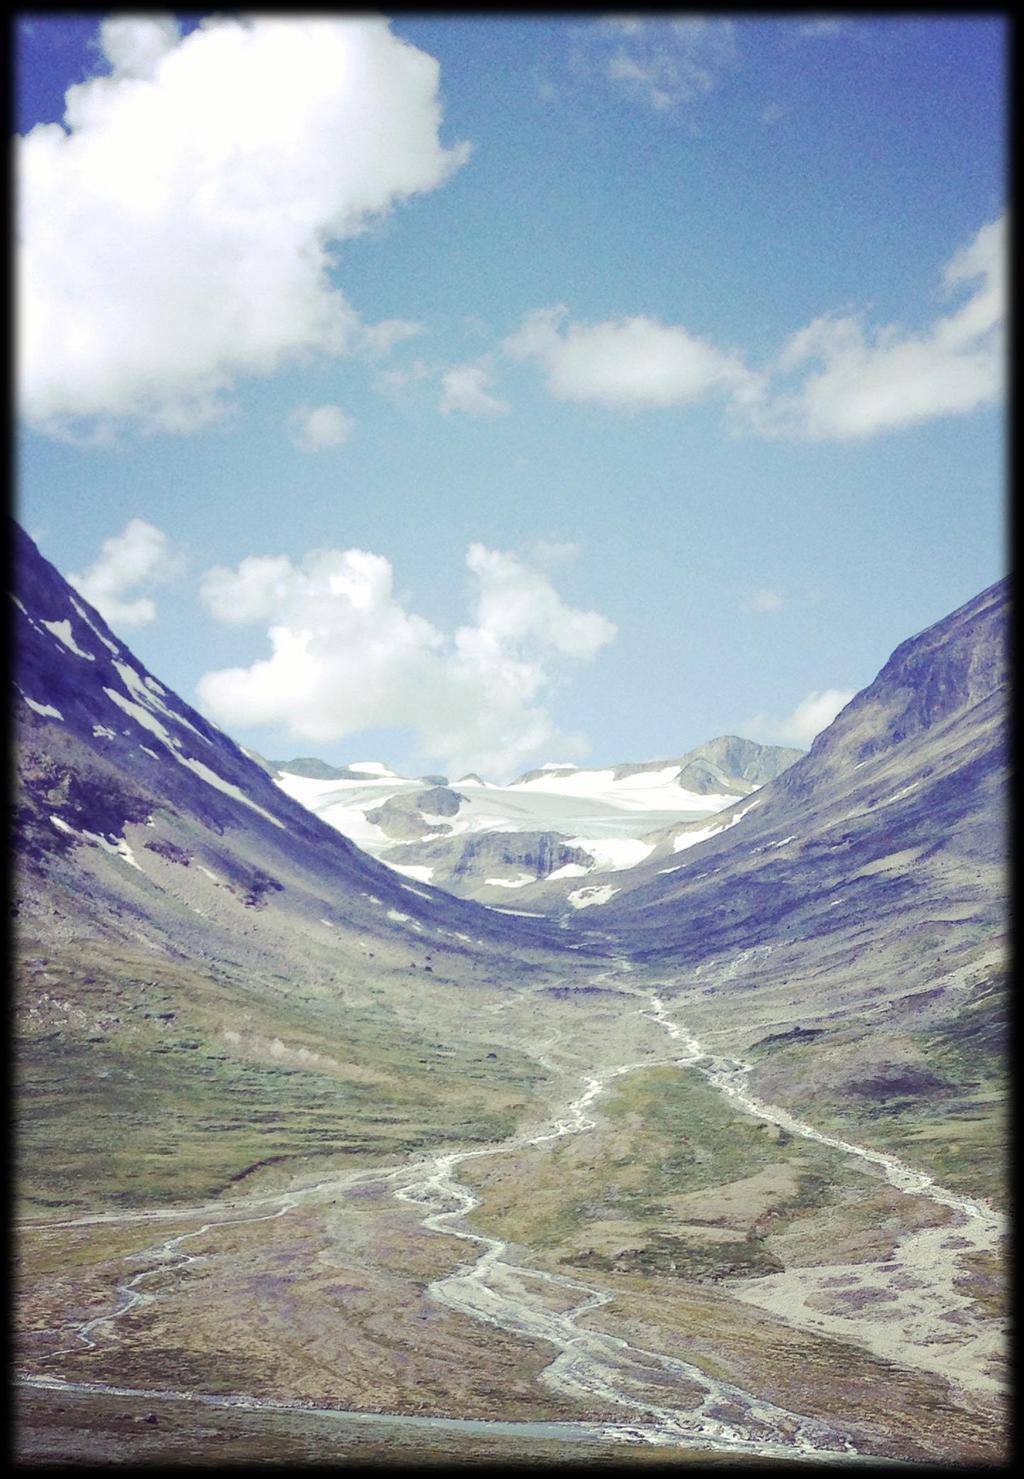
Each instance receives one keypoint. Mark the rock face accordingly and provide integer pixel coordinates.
(120, 786)
(903, 794)
(439, 801)
(314, 769)
(464, 864)
(728, 766)
(722, 762)
(539, 853)
(413, 815)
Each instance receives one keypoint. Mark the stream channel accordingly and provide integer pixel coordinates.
(591, 1365)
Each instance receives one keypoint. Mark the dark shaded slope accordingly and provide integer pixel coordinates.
(120, 778)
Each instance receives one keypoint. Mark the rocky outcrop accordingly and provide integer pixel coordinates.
(726, 766)
(462, 861)
(539, 853)
(414, 814)
(313, 769)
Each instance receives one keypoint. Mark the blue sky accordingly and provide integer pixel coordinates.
(470, 393)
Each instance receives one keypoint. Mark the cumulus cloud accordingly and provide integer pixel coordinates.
(316, 428)
(852, 381)
(141, 555)
(347, 655)
(175, 232)
(467, 388)
(835, 379)
(627, 364)
(811, 715)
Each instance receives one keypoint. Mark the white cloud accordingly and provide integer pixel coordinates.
(628, 364)
(316, 428)
(811, 715)
(851, 381)
(347, 655)
(134, 44)
(835, 379)
(467, 388)
(140, 555)
(175, 235)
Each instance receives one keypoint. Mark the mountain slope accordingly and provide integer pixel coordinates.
(191, 943)
(113, 767)
(846, 929)
(915, 763)
(270, 1095)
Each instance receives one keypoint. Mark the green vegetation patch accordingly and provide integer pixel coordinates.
(939, 1101)
(141, 1090)
(673, 1181)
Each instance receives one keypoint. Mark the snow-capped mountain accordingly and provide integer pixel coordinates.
(553, 824)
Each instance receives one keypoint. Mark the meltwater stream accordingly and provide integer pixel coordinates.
(665, 1399)
(668, 1399)
(929, 1323)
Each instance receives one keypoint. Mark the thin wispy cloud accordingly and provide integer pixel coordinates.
(347, 654)
(117, 583)
(174, 236)
(378, 340)
(398, 381)
(663, 63)
(763, 601)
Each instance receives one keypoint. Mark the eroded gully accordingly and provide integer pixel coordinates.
(665, 1399)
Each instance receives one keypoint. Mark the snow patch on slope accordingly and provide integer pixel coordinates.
(62, 631)
(419, 871)
(612, 853)
(47, 710)
(149, 721)
(583, 898)
(690, 839)
(119, 847)
(111, 646)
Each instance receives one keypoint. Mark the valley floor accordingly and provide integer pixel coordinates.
(622, 1240)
